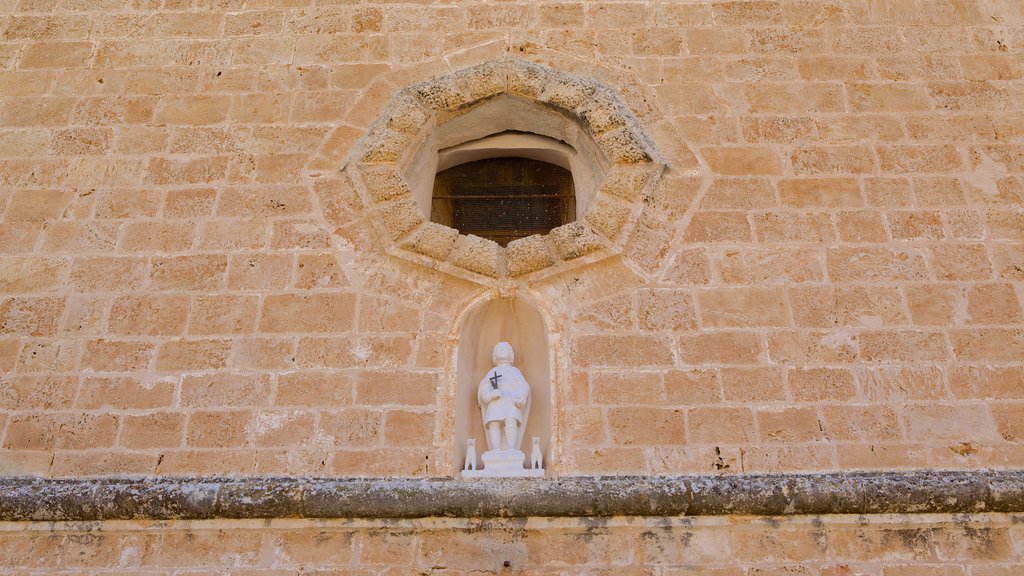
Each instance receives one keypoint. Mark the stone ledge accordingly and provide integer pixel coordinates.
(39, 499)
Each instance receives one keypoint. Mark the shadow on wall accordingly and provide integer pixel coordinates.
(502, 320)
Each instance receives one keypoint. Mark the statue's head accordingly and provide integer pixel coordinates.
(503, 353)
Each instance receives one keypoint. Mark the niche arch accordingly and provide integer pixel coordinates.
(484, 324)
(507, 107)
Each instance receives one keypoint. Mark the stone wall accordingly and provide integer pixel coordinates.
(825, 275)
(913, 545)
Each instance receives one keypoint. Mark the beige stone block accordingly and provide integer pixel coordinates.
(17, 237)
(477, 255)
(323, 389)
(624, 146)
(733, 347)
(37, 392)
(790, 425)
(750, 385)
(263, 354)
(220, 429)
(315, 547)
(743, 160)
(124, 393)
(613, 313)
(1009, 420)
(894, 345)
(970, 382)
(888, 192)
(915, 225)
(816, 384)
(28, 274)
(961, 261)
(666, 309)
(282, 428)
(955, 542)
(991, 67)
(574, 240)
(396, 388)
(226, 462)
(117, 356)
(351, 428)
(259, 271)
(821, 193)
(31, 316)
(188, 355)
(632, 387)
(709, 227)
(192, 272)
(407, 428)
(937, 422)
(264, 201)
(434, 240)
(607, 217)
(739, 194)
(1008, 260)
(758, 266)
(233, 235)
(37, 111)
(647, 426)
(299, 234)
(64, 430)
(157, 315)
(742, 307)
(601, 350)
(193, 109)
(717, 426)
(223, 314)
(527, 255)
(988, 344)
(90, 463)
(875, 264)
(689, 267)
(692, 387)
(367, 351)
(225, 390)
(993, 304)
(919, 158)
(189, 202)
(704, 41)
(310, 312)
(80, 237)
(156, 430)
(813, 347)
(861, 226)
(833, 160)
(939, 192)
(846, 305)
(608, 459)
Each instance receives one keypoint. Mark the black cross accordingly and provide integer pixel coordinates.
(494, 380)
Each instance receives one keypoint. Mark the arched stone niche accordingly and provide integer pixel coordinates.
(515, 321)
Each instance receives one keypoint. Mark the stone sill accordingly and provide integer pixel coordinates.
(196, 498)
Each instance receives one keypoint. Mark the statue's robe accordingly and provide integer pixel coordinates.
(512, 386)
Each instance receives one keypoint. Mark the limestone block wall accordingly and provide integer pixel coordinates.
(827, 276)
(914, 545)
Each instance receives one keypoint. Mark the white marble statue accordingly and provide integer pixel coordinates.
(470, 462)
(504, 399)
(503, 396)
(536, 458)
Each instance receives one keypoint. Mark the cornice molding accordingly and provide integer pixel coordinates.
(194, 498)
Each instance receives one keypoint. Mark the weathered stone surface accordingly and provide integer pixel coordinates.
(947, 492)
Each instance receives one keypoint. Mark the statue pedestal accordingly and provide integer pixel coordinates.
(504, 464)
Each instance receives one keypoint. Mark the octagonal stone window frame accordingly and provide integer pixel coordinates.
(393, 166)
